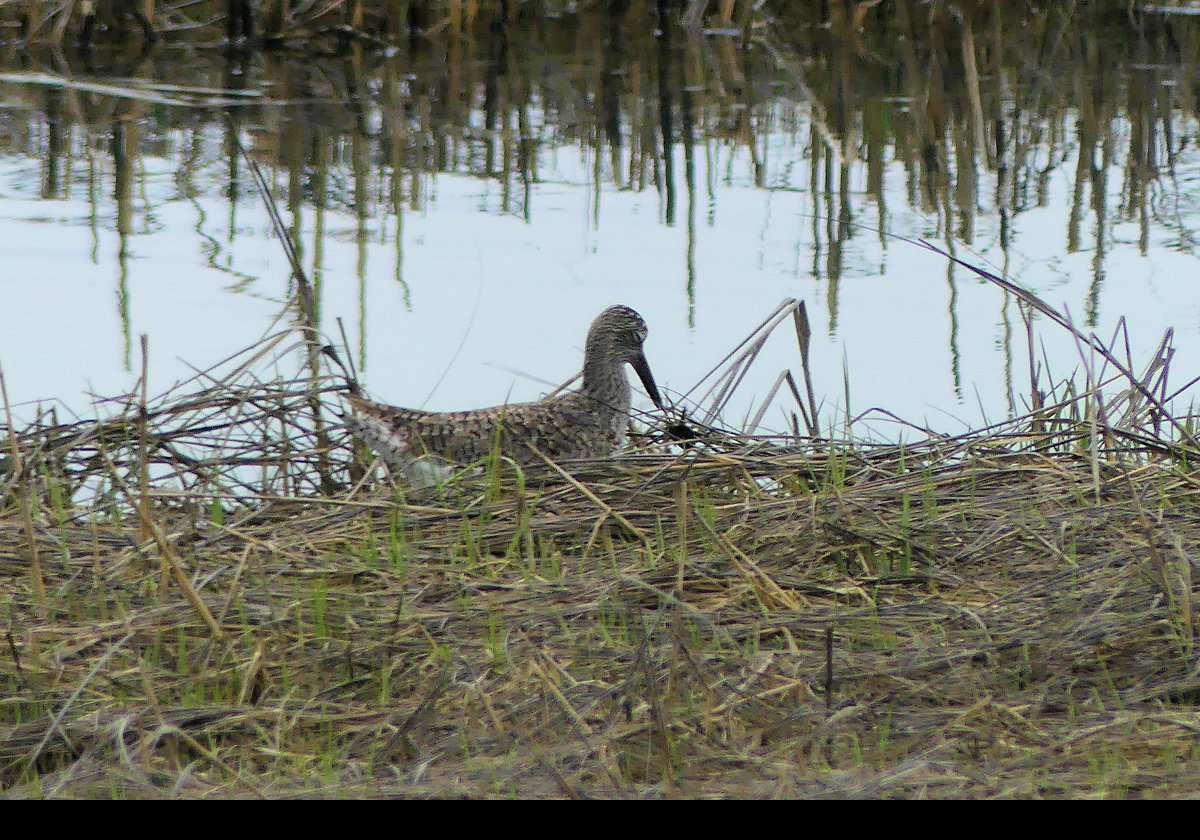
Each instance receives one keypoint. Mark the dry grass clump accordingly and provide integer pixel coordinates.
(205, 595)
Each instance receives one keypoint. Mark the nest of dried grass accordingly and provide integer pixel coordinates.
(209, 594)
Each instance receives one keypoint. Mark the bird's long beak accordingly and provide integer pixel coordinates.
(643, 371)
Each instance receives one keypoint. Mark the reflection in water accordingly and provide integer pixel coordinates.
(123, 197)
(995, 128)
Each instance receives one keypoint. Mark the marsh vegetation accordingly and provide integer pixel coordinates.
(211, 592)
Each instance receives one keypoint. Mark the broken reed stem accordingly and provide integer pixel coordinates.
(1092, 341)
(13, 447)
(35, 557)
(738, 358)
(25, 496)
(143, 437)
(804, 339)
(607, 509)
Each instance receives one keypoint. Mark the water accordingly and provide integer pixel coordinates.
(464, 218)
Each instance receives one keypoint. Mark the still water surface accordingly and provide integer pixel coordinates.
(465, 216)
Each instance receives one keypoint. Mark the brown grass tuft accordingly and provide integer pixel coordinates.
(1011, 612)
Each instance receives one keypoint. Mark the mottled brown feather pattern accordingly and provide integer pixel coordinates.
(590, 422)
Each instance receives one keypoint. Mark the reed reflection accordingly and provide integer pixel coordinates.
(977, 113)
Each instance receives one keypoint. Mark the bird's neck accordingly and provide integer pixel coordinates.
(604, 380)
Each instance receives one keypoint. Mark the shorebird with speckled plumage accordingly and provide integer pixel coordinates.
(588, 423)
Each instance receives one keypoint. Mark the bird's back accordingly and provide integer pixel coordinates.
(570, 426)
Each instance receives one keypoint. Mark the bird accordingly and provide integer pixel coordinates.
(590, 422)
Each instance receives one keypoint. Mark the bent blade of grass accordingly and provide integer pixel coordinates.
(732, 368)
(1064, 321)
